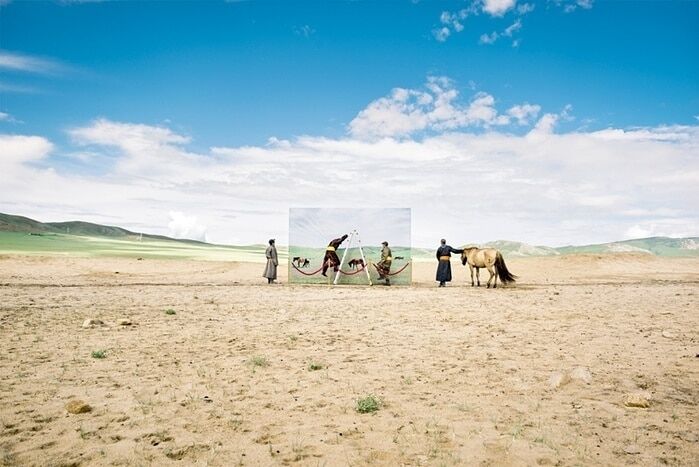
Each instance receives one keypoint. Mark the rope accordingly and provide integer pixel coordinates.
(307, 273)
(400, 270)
(347, 273)
(354, 272)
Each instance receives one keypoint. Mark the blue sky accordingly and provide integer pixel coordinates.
(171, 102)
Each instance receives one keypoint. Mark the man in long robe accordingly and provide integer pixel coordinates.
(272, 262)
(444, 262)
(331, 258)
(383, 267)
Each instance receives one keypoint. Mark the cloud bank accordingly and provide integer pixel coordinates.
(471, 172)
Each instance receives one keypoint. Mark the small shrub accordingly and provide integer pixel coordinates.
(170, 311)
(315, 366)
(368, 404)
(259, 360)
(99, 354)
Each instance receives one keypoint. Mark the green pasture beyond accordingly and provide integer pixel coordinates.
(128, 247)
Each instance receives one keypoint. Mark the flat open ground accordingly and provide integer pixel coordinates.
(464, 375)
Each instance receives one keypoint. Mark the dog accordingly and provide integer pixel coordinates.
(301, 262)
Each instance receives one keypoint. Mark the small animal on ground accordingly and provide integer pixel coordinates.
(301, 262)
(489, 258)
(356, 263)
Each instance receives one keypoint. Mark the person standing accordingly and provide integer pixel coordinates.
(272, 262)
(444, 262)
(331, 258)
(383, 267)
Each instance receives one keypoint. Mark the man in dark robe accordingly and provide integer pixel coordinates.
(331, 258)
(444, 266)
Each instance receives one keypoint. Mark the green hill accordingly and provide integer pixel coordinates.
(20, 234)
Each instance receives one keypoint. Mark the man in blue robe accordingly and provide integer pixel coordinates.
(444, 262)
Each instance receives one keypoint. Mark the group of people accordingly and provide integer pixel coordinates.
(383, 267)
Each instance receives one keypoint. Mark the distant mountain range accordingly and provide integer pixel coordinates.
(660, 246)
(11, 223)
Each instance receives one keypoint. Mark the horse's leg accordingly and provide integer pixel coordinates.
(495, 276)
(471, 268)
(478, 275)
(492, 274)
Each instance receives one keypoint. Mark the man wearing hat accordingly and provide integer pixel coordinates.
(383, 267)
(272, 262)
(444, 266)
(331, 259)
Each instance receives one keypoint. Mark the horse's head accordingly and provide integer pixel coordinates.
(464, 254)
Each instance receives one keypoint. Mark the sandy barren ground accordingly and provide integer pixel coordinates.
(532, 374)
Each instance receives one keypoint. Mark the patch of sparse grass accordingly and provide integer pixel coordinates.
(293, 337)
(235, 423)
(84, 434)
(170, 311)
(315, 366)
(259, 361)
(517, 431)
(99, 354)
(368, 404)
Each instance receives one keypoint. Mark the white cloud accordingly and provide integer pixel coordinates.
(6, 117)
(30, 64)
(183, 226)
(17, 88)
(522, 113)
(507, 32)
(453, 22)
(513, 28)
(489, 38)
(305, 31)
(524, 8)
(18, 149)
(570, 6)
(441, 34)
(663, 228)
(406, 111)
(545, 125)
(498, 7)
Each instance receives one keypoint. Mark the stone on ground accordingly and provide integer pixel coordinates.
(78, 406)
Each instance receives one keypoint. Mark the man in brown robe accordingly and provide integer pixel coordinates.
(272, 262)
(383, 267)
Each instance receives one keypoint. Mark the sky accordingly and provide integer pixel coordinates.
(548, 122)
(316, 227)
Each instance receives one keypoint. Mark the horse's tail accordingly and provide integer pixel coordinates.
(503, 273)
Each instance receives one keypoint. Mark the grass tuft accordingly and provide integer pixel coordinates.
(368, 404)
(170, 311)
(315, 366)
(99, 354)
(259, 360)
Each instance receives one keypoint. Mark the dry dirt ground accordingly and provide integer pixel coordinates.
(245, 373)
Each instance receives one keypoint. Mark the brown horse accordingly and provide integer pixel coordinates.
(487, 258)
(356, 263)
